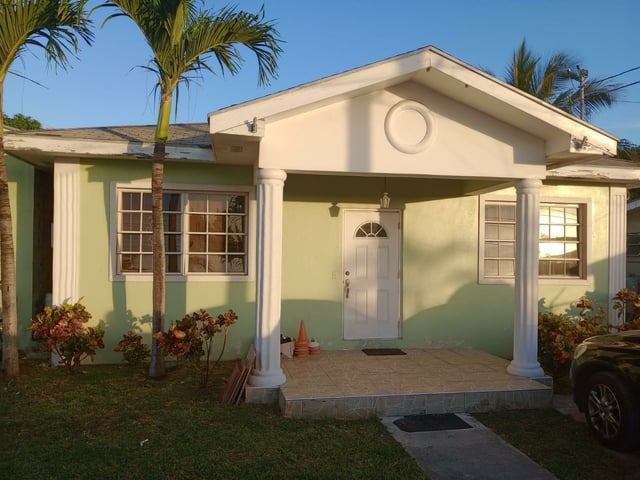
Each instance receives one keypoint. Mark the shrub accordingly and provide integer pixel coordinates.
(192, 337)
(559, 334)
(63, 331)
(627, 303)
(133, 350)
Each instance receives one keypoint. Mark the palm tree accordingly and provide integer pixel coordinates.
(55, 26)
(628, 150)
(559, 81)
(183, 39)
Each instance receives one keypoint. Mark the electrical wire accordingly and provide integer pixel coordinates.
(616, 75)
(624, 86)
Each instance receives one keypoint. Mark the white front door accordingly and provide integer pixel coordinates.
(371, 274)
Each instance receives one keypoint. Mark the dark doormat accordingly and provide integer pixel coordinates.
(383, 351)
(431, 423)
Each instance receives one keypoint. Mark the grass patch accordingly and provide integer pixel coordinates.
(560, 444)
(111, 422)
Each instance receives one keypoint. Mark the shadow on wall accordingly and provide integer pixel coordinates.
(240, 335)
(467, 320)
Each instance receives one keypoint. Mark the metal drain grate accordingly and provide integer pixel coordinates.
(431, 423)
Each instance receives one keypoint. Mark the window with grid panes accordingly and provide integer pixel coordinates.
(561, 243)
(205, 233)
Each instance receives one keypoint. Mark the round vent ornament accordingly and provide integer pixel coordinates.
(409, 126)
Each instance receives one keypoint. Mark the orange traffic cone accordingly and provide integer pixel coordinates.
(302, 342)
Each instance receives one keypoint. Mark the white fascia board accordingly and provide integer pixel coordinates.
(81, 148)
(319, 91)
(586, 171)
(597, 141)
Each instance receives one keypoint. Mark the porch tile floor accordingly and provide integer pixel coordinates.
(348, 384)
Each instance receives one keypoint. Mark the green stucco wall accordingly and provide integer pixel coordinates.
(443, 304)
(125, 305)
(21, 177)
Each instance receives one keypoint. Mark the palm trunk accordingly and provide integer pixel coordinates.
(157, 367)
(10, 363)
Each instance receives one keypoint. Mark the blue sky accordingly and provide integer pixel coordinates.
(326, 37)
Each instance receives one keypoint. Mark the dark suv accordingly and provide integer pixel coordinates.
(605, 375)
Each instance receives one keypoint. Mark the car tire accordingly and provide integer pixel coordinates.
(612, 411)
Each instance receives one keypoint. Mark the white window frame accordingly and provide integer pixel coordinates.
(585, 209)
(247, 190)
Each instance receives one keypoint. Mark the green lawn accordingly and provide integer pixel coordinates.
(110, 422)
(561, 444)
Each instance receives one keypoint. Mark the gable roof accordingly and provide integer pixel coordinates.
(567, 138)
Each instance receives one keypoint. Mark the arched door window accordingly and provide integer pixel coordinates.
(371, 229)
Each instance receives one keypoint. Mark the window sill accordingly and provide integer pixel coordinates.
(134, 278)
(541, 281)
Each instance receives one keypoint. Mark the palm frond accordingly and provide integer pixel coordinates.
(56, 27)
(555, 81)
(184, 40)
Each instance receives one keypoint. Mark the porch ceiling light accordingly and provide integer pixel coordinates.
(385, 200)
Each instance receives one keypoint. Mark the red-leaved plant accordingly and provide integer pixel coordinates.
(560, 333)
(192, 337)
(63, 331)
(627, 303)
(133, 350)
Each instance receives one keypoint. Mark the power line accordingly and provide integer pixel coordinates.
(618, 74)
(624, 86)
(597, 82)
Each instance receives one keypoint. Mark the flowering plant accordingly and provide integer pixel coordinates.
(132, 348)
(560, 334)
(192, 337)
(63, 331)
(627, 303)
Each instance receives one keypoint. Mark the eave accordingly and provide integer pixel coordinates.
(604, 169)
(43, 147)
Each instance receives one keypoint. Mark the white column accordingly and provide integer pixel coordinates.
(66, 233)
(525, 329)
(617, 247)
(65, 237)
(270, 187)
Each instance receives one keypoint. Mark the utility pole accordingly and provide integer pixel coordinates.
(584, 73)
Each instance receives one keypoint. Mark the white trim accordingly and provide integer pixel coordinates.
(66, 232)
(392, 126)
(102, 148)
(183, 188)
(586, 242)
(617, 247)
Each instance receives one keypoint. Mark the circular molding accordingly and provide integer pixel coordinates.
(409, 126)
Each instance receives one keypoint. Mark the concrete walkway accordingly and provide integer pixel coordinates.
(474, 453)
